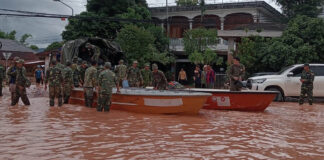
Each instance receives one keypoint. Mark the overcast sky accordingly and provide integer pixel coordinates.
(44, 30)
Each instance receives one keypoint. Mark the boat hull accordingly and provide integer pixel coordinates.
(239, 101)
(151, 104)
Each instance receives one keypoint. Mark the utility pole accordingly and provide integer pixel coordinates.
(6, 56)
(65, 5)
(167, 16)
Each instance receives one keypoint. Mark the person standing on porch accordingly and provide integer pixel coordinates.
(182, 77)
(210, 77)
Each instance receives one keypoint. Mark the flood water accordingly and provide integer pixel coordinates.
(283, 131)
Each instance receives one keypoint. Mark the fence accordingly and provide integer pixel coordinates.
(162, 4)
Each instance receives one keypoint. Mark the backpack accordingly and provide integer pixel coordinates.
(38, 74)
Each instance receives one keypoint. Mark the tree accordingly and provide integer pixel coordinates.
(54, 45)
(24, 38)
(34, 47)
(139, 44)
(301, 42)
(186, 2)
(11, 35)
(94, 23)
(292, 8)
(199, 39)
(208, 57)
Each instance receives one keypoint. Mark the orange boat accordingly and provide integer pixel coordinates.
(239, 101)
(151, 101)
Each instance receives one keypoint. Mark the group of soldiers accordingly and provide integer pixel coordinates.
(61, 79)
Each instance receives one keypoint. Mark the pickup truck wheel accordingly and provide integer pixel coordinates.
(279, 97)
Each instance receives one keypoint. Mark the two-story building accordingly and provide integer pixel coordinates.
(232, 20)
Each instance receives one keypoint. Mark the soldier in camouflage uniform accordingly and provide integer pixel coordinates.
(82, 68)
(11, 73)
(21, 80)
(121, 72)
(147, 76)
(59, 65)
(68, 82)
(94, 52)
(134, 76)
(2, 77)
(159, 80)
(55, 79)
(76, 75)
(235, 74)
(90, 82)
(100, 69)
(107, 80)
(307, 79)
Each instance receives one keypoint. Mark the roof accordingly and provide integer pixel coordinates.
(255, 4)
(14, 46)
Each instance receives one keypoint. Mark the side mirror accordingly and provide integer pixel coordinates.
(290, 74)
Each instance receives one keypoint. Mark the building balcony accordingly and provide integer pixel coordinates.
(177, 45)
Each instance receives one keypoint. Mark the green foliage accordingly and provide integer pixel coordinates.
(301, 42)
(292, 8)
(11, 35)
(136, 12)
(139, 44)
(24, 38)
(53, 46)
(161, 40)
(187, 2)
(111, 8)
(208, 57)
(199, 39)
(34, 47)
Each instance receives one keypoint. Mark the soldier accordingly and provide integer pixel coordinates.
(68, 82)
(2, 77)
(307, 79)
(59, 65)
(12, 77)
(82, 70)
(76, 75)
(134, 76)
(90, 82)
(159, 80)
(147, 76)
(55, 79)
(94, 52)
(121, 72)
(107, 80)
(21, 81)
(235, 74)
(100, 69)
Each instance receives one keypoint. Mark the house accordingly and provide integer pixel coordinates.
(232, 20)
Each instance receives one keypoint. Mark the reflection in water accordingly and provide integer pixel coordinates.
(284, 131)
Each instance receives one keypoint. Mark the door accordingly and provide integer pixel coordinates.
(318, 81)
(293, 84)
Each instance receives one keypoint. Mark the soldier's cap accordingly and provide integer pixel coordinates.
(147, 65)
(16, 58)
(135, 62)
(155, 66)
(21, 61)
(121, 61)
(237, 58)
(87, 45)
(306, 65)
(108, 65)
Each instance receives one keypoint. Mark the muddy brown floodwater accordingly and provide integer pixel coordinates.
(283, 131)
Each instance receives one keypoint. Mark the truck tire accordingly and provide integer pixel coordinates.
(280, 97)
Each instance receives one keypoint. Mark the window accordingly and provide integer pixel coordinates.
(318, 70)
(297, 71)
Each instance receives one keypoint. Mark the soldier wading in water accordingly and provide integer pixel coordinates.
(107, 80)
(307, 79)
(54, 79)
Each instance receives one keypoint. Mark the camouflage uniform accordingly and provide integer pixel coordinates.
(89, 84)
(121, 73)
(134, 77)
(107, 80)
(236, 71)
(96, 51)
(307, 86)
(68, 83)
(20, 86)
(55, 79)
(2, 77)
(82, 70)
(100, 69)
(147, 77)
(76, 74)
(60, 66)
(159, 80)
(11, 73)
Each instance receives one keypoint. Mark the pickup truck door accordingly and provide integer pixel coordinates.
(293, 84)
(318, 81)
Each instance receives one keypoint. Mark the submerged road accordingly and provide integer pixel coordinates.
(283, 131)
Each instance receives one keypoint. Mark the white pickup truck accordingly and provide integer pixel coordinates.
(287, 81)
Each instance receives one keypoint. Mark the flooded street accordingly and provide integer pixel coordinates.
(283, 131)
